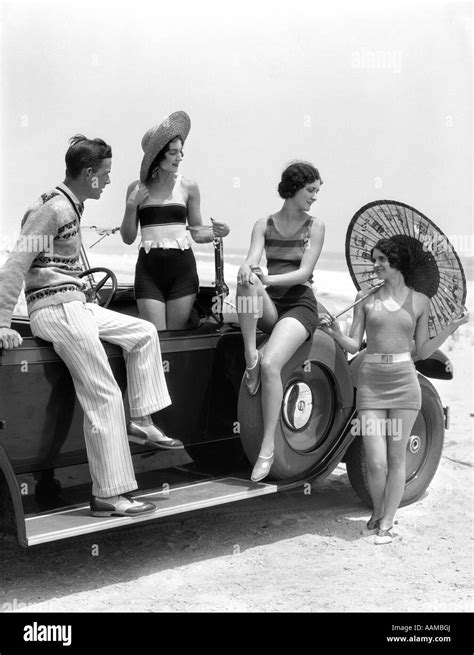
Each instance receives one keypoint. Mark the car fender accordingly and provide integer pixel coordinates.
(437, 366)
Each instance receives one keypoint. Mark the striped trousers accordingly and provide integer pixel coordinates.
(75, 329)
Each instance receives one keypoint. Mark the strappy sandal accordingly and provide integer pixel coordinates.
(373, 524)
(383, 536)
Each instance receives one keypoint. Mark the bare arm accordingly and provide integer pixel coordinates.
(352, 342)
(199, 232)
(254, 255)
(424, 345)
(136, 194)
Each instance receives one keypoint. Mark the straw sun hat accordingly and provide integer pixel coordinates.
(155, 139)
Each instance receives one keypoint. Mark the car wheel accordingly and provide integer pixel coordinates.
(424, 450)
(317, 401)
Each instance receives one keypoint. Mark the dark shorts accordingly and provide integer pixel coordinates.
(388, 386)
(165, 274)
(296, 302)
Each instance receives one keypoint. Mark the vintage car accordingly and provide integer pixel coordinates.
(44, 477)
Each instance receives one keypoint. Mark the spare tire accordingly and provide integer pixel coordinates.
(317, 402)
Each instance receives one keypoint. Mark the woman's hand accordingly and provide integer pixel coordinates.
(460, 320)
(330, 325)
(219, 229)
(256, 270)
(138, 195)
(245, 275)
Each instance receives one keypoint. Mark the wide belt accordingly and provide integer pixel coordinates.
(382, 358)
(166, 244)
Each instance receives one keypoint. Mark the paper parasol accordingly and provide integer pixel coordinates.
(437, 271)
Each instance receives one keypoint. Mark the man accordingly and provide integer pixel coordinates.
(59, 313)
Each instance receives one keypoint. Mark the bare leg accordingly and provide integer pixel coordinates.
(178, 312)
(287, 336)
(153, 311)
(375, 447)
(254, 303)
(401, 423)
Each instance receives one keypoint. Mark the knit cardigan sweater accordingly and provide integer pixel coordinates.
(46, 257)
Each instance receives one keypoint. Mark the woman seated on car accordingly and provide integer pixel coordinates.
(282, 302)
(161, 202)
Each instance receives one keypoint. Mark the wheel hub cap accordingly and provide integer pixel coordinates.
(297, 405)
(414, 444)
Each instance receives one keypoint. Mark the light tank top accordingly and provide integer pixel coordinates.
(390, 331)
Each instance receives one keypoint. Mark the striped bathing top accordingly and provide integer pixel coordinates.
(167, 216)
(284, 254)
(390, 331)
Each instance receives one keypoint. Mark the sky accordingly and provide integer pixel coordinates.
(377, 95)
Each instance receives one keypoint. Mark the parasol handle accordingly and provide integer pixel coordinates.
(359, 300)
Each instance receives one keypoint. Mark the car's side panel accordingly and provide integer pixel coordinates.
(42, 420)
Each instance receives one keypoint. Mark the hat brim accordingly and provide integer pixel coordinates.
(176, 124)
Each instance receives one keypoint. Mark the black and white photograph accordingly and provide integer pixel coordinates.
(236, 341)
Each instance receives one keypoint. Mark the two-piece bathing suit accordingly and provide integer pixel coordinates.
(385, 380)
(284, 255)
(166, 269)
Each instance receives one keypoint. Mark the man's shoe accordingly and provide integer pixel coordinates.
(125, 506)
(150, 435)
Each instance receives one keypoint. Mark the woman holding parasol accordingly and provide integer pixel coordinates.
(388, 391)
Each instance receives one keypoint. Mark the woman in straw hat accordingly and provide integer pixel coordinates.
(162, 202)
(388, 391)
(292, 240)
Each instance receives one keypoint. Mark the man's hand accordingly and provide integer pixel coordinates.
(9, 338)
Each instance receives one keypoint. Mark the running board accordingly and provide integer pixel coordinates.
(77, 520)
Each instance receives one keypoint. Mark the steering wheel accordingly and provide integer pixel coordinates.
(93, 293)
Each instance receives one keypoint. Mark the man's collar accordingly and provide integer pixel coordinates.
(68, 191)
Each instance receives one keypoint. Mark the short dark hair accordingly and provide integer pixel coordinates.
(160, 156)
(398, 255)
(295, 177)
(84, 153)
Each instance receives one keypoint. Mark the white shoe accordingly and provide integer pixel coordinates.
(150, 435)
(262, 468)
(124, 506)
